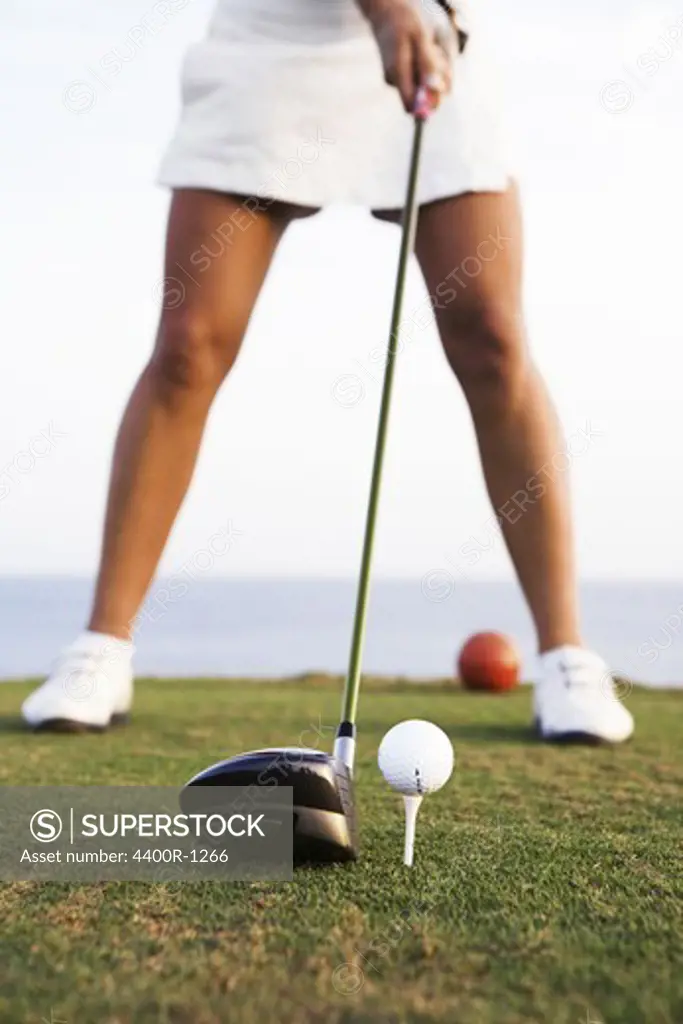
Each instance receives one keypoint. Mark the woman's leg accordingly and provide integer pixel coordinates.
(218, 252)
(199, 337)
(470, 251)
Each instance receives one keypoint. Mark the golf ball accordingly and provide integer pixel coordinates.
(416, 757)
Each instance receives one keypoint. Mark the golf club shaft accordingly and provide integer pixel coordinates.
(352, 687)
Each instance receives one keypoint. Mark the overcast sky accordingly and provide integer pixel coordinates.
(595, 102)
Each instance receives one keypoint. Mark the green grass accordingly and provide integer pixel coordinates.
(548, 884)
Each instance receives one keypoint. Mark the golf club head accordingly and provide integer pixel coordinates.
(325, 829)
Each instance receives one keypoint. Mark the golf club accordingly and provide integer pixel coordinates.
(325, 829)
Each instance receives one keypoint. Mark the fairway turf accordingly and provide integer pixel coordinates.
(547, 887)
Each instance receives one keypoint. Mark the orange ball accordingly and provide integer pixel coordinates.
(489, 661)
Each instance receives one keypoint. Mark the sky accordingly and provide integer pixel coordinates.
(594, 98)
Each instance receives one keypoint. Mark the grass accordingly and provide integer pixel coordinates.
(548, 884)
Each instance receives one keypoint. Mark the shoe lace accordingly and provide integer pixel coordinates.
(581, 675)
(80, 662)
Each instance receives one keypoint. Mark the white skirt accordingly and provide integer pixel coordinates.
(285, 99)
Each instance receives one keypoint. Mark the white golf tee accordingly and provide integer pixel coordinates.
(412, 806)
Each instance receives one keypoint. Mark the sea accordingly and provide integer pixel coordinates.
(266, 628)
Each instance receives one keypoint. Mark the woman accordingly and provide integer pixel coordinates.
(327, 84)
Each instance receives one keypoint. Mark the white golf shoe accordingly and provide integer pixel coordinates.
(576, 699)
(89, 688)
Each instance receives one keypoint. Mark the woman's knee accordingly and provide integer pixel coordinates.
(485, 346)
(192, 355)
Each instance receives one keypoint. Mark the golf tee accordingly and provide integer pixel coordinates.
(412, 806)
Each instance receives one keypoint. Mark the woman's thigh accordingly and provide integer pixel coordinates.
(218, 251)
(470, 249)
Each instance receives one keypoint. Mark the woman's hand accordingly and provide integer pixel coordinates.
(415, 48)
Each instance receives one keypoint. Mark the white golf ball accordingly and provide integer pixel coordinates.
(416, 757)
